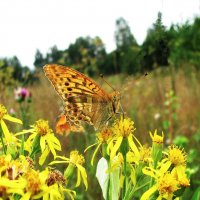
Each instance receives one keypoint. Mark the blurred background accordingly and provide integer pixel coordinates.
(122, 39)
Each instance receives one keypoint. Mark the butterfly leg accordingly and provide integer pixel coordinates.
(122, 111)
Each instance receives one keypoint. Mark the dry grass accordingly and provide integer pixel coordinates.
(142, 99)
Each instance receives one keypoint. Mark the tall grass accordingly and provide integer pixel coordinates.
(143, 99)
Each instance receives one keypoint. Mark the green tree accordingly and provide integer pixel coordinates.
(155, 49)
(185, 43)
(54, 55)
(40, 61)
(87, 54)
(127, 52)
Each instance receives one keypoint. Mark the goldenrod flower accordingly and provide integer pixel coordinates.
(46, 185)
(76, 160)
(123, 130)
(180, 174)
(42, 134)
(5, 116)
(157, 147)
(56, 181)
(103, 137)
(145, 154)
(4, 163)
(166, 184)
(156, 138)
(176, 158)
(8, 187)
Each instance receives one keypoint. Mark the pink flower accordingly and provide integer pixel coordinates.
(22, 94)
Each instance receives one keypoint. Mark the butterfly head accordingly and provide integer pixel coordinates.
(116, 97)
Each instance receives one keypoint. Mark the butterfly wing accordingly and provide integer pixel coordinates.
(84, 100)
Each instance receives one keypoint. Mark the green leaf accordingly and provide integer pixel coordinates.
(196, 195)
(166, 124)
(115, 184)
(103, 176)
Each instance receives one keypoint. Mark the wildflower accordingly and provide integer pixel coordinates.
(8, 187)
(43, 136)
(55, 182)
(22, 94)
(180, 175)
(165, 183)
(5, 116)
(103, 137)
(156, 138)
(144, 156)
(157, 147)
(176, 159)
(117, 161)
(123, 130)
(76, 160)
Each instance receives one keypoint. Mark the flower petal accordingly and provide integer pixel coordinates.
(116, 147)
(12, 119)
(148, 193)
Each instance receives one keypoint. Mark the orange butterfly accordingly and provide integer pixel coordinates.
(84, 100)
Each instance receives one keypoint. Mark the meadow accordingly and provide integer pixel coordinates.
(166, 99)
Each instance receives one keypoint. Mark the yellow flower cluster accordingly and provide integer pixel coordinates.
(18, 173)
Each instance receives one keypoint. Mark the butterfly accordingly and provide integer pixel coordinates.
(84, 100)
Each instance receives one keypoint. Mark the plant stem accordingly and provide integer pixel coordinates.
(3, 145)
(125, 177)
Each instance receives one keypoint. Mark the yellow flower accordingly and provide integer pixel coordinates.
(117, 161)
(46, 185)
(180, 174)
(42, 134)
(8, 187)
(176, 158)
(145, 154)
(157, 147)
(103, 137)
(4, 163)
(76, 160)
(56, 182)
(33, 185)
(166, 184)
(123, 130)
(5, 116)
(123, 127)
(156, 138)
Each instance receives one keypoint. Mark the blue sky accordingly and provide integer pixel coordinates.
(27, 25)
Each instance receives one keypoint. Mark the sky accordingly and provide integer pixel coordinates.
(27, 25)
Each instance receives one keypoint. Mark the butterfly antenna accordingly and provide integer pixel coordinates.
(101, 75)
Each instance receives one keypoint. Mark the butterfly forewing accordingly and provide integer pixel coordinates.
(84, 100)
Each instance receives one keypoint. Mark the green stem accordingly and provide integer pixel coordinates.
(3, 145)
(22, 137)
(125, 177)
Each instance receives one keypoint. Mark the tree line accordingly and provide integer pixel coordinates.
(162, 47)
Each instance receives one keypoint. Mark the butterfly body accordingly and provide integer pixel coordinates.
(84, 100)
